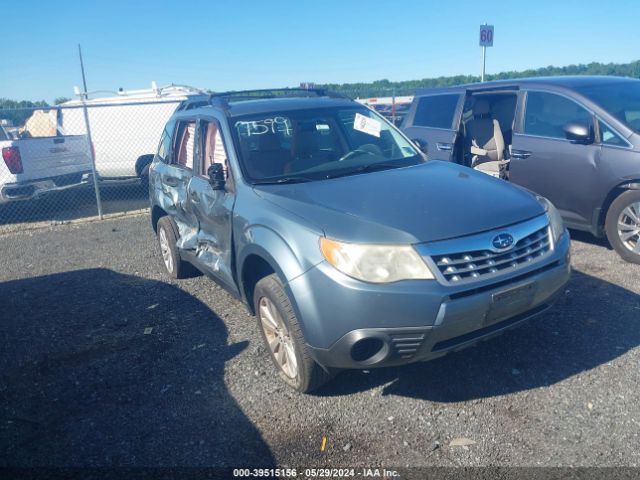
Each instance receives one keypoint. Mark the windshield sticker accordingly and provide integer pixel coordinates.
(367, 125)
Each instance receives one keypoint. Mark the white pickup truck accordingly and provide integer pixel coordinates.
(35, 166)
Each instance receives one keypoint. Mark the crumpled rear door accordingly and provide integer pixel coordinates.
(174, 181)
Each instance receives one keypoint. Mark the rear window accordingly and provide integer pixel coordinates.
(436, 111)
(3, 136)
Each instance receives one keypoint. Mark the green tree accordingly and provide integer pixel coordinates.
(386, 88)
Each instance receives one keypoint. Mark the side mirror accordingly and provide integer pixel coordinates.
(421, 144)
(579, 132)
(215, 172)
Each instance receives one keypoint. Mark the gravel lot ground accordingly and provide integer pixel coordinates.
(105, 361)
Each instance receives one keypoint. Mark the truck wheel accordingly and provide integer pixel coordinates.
(167, 237)
(623, 225)
(283, 337)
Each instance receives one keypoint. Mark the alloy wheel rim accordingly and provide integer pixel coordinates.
(278, 337)
(166, 251)
(629, 227)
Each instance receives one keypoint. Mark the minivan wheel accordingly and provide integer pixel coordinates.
(623, 225)
(283, 337)
(167, 232)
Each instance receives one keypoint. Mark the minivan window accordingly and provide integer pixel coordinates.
(436, 111)
(546, 114)
(304, 145)
(622, 100)
(609, 136)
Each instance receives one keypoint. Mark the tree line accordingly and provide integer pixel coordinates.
(385, 88)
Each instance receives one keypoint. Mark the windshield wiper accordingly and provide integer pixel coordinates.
(370, 167)
(283, 180)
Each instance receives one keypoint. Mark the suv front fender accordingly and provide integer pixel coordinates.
(287, 260)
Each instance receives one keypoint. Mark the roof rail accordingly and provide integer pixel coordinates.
(223, 99)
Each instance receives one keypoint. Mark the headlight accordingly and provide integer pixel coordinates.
(555, 220)
(375, 263)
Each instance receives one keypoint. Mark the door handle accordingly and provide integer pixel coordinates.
(171, 181)
(444, 147)
(520, 154)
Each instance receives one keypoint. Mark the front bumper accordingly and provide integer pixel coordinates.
(37, 188)
(351, 324)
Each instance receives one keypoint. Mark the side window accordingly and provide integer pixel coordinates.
(609, 136)
(213, 148)
(184, 145)
(436, 111)
(164, 149)
(547, 113)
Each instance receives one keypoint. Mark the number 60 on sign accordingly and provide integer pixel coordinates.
(486, 35)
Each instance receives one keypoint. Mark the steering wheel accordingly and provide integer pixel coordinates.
(367, 148)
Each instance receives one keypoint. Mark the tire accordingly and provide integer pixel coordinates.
(167, 232)
(623, 225)
(308, 374)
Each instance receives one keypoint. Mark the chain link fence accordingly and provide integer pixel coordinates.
(90, 159)
(77, 160)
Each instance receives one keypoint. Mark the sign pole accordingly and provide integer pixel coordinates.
(486, 40)
(484, 62)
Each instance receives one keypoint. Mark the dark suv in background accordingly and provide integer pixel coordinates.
(574, 140)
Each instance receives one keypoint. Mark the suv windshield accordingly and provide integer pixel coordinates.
(305, 145)
(620, 100)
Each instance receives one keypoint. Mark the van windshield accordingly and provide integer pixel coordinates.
(306, 145)
(622, 100)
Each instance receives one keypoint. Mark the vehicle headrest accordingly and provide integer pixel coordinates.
(269, 142)
(480, 107)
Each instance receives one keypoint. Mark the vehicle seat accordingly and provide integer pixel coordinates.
(269, 159)
(485, 139)
(307, 152)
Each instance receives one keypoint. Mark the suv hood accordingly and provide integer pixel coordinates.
(422, 203)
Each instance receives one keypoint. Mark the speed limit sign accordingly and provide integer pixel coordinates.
(486, 35)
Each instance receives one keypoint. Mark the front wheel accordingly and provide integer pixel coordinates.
(283, 337)
(623, 225)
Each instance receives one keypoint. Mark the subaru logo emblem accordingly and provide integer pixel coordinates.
(502, 241)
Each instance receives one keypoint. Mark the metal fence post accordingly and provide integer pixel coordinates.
(84, 96)
(94, 172)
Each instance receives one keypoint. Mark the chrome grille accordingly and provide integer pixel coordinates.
(476, 265)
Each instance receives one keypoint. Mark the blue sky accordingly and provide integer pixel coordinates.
(252, 44)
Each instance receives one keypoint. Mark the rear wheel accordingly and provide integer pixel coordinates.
(623, 225)
(168, 235)
(283, 337)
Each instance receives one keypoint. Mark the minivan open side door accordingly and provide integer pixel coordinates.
(434, 119)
